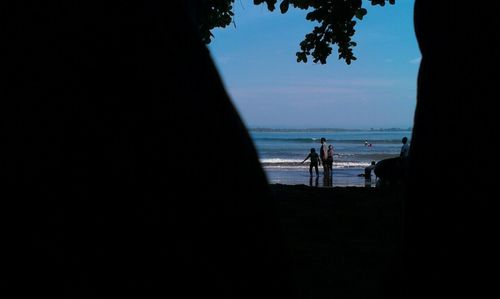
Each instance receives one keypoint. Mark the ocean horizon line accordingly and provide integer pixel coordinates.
(278, 129)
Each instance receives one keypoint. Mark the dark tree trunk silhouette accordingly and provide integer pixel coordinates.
(449, 211)
(126, 171)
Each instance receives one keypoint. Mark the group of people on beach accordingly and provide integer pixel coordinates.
(325, 158)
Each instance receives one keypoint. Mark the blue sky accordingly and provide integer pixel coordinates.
(257, 62)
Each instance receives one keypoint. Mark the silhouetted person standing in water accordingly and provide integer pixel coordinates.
(323, 152)
(405, 148)
(314, 161)
(329, 158)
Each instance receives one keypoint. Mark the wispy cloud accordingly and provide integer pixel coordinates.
(359, 82)
(353, 88)
(290, 90)
(416, 60)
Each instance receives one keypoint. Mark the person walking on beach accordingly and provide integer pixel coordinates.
(314, 161)
(323, 152)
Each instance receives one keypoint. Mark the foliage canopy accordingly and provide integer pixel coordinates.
(335, 20)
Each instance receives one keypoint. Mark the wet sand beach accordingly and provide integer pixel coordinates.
(344, 242)
(343, 177)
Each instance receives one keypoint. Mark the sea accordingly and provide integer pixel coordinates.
(281, 152)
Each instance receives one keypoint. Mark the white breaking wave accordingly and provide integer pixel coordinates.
(294, 163)
(278, 160)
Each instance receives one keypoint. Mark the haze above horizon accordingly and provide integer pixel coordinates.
(257, 62)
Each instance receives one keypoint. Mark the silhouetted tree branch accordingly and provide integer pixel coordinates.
(335, 18)
(212, 14)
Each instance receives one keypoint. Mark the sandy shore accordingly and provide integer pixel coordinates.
(343, 241)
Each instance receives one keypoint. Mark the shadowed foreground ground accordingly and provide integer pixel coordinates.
(343, 242)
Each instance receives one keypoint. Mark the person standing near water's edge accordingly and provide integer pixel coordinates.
(323, 152)
(314, 161)
(329, 158)
(405, 148)
(328, 164)
(403, 156)
(405, 151)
